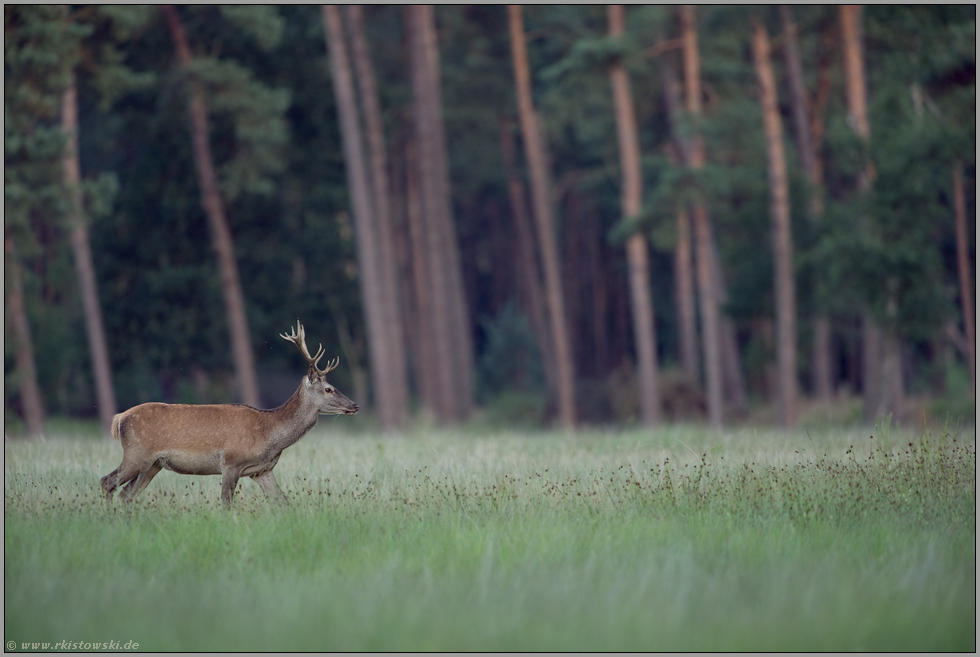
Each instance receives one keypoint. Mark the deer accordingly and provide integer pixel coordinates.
(233, 440)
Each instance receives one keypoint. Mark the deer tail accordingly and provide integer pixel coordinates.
(115, 426)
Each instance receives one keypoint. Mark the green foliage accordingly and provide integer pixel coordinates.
(40, 47)
(511, 360)
(129, 21)
(263, 22)
(257, 113)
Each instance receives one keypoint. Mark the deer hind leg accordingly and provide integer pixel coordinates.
(229, 481)
(142, 480)
(122, 475)
(268, 482)
(109, 483)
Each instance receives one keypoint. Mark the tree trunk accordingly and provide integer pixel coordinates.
(821, 363)
(963, 265)
(213, 204)
(98, 351)
(540, 193)
(528, 272)
(822, 359)
(733, 379)
(781, 230)
(687, 329)
(426, 362)
(572, 267)
(454, 346)
(798, 96)
(394, 372)
(710, 324)
(729, 371)
(30, 393)
(850, 18)
(368, 242)
(637, 255)
(433, 252)
(703, 239)
(687, 316)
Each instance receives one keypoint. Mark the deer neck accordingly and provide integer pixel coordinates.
(293, 419)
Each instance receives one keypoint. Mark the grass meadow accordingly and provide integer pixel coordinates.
(677, 539)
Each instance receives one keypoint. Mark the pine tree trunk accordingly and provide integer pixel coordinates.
(963, 266)
(710, 324)
(540, 193)
(394, 372)
(821, 356)
(98, 351)
(30, 393)
(733, 379)
(798, 97)
(782, 236)
(850, 18)
(687, 328)
(572, 268)
(528, 271)
(703, 239)
(368, 242)
(433, 253)
(728, 375)
(637, 255)
(213, 204)
(822, 359)
(425, 359)
(454, 346)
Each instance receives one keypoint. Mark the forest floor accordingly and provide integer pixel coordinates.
(676, 539)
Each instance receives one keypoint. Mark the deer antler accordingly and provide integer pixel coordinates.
(331, 365)
(298, 337)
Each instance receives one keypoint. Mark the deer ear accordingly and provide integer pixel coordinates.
(308, 382)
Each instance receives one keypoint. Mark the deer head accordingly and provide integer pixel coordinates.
(329, 400)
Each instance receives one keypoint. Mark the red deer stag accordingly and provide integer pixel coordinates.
(232, 440)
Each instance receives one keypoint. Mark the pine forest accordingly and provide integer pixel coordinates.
(545, 216)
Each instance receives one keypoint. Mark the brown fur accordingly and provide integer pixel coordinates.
(232, 440)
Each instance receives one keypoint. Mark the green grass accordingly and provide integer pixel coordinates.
(680, 539)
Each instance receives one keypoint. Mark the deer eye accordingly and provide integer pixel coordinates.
(327, 389)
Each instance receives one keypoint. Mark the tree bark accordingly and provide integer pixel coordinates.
(368, 242)
(703, 239)
(528, 271)
(30, 394)
(798, 96)
(729, 370)
(637, 254)
(394, 373)
(98, 351)
(540, 194)
(426, 362)
(963, 266)
(821, 357)
(687, 316)
(782, 236)
(213, 204)
(850, 18)
(454, 346)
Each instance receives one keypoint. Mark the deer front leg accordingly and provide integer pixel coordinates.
(229, 480)
(267, 481)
